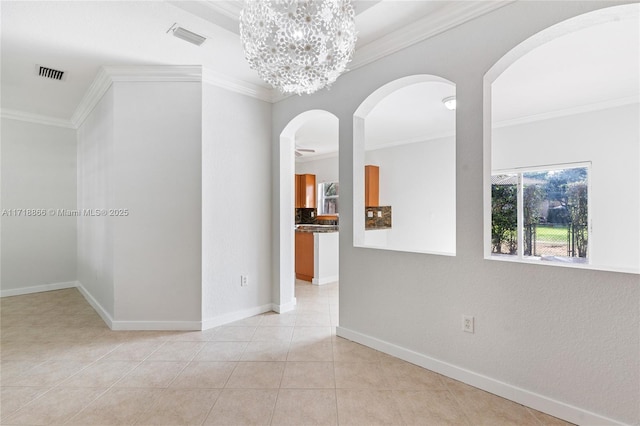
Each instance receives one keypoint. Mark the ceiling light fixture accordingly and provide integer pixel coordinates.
(298, 46)
(450, 103)
(186, 35)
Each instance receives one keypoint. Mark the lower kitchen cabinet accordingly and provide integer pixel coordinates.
(304, 256)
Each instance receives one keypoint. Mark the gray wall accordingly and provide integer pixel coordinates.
(38, 172)
(236, 206)
(570, 336)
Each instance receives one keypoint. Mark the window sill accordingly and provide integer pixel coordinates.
(561, 262)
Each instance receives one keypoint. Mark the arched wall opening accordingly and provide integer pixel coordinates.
(562, 146)
(286, 296)
(405, 131)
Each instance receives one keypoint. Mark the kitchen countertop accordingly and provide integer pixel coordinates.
(316, 228)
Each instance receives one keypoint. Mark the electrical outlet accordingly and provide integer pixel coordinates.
(468, 323)
(244, 280)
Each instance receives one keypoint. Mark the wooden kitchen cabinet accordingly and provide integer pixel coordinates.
(371, 186)
(306, 191)
(304, 256)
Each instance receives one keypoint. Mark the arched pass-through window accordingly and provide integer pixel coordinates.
(562, 146)
(404, 167)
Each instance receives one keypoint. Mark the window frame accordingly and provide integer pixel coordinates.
(520, 171)
(321, 197)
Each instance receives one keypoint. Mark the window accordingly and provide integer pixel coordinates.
(328, 198)
(541, 213)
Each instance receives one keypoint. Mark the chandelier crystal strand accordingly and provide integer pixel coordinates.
(298, 46)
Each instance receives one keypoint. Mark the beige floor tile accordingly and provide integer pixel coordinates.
(313, 319)
(101, 374)
(117, 407)
(272, 319)
(49, 373)
(176, 351)
(483, 408)
(311, 334)
(191, 336)
(406, 376)
(204, 375)
(133, 350)
(547, 420)
(360, 375)
(152, 374)
(256, 375)
(367, 407)
(270, 334)
(455, 385)
(180, 407)
(345, 350)
(308, 375)
(243, 407)
(221, 351)
(13, 398)
(247, 322)
(429, 407)
(14, 368)
(54, 407)
(266, 351)
(310, 351)
(306, 407)
(232, 334)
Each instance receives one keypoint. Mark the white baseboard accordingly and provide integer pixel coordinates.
(285, 307)
(106, 317)
(324, 280)
(38, 288)
(536, 401)
(234, 316)
(156, 325)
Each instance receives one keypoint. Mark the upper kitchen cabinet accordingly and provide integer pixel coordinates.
(371, 186)
(306, 191)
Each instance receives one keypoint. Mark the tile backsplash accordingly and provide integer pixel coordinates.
(304, 215)
(377, 217)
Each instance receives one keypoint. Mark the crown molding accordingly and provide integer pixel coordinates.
(230, 9)
(238, 86)
(12, 114)
(451, 16)
(107, 75)
(598, 106)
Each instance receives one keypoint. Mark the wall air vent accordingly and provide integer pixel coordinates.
(50, 73)
(186, 35)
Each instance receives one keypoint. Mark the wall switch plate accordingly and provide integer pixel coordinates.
(468, 323)
(369, 214)
(379, 213)
(244, 280)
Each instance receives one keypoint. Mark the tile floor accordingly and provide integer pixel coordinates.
(60, 364)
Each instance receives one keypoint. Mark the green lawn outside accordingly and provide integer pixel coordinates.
(551, 233)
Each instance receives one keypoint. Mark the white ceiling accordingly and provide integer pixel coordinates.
(79, 37)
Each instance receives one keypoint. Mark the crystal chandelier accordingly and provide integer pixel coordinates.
(298, 46)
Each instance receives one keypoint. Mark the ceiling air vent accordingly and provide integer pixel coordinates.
(186, 35)
(50, 73)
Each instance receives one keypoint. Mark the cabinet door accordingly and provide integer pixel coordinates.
(298, 191)
(371, 186)
(304, 256)
(306, 191)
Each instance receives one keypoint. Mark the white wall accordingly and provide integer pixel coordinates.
(236, 205)
(96, 191)
(140, 150)
(561, 340)
(610, 140)
(325, 169)
(157, 176)
(38, 172)
(418, 181)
